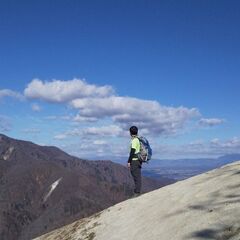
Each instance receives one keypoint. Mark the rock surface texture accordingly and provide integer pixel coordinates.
(202, 207)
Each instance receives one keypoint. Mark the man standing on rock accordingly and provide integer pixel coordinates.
(133, 162)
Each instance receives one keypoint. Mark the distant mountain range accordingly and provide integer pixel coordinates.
(43, 188)
(184, 168)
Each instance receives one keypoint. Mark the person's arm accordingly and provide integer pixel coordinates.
(131, 155)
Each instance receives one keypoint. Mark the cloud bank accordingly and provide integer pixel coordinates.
(210, 122)
(5, 124)
(102, 116)
(146, 114)
(35, 107)
(96, 103)
(213, 148)
(10, 93)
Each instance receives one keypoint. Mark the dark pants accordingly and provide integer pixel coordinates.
(136, 174)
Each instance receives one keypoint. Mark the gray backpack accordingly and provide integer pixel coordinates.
(145, 153)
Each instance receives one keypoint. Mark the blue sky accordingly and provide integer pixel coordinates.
(77, 74)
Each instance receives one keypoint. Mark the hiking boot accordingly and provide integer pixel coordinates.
(136, 195)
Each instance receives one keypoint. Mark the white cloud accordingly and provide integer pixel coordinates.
(60, 136)
(79, 118)
(51, 117)
(31, 130)
(215, 141)
(5, 124)
(91, 133)
(97, 149)
(99, 142)
(220, 147)
(230, 144)
(98, 102)
(64, 91)
(148, 115)
(64, 117)
(35, 107)
(111, 130)
(210, 122)
(10, 93)
(213, 148)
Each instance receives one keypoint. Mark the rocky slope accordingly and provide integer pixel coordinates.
(202, 207)
(43, 188)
